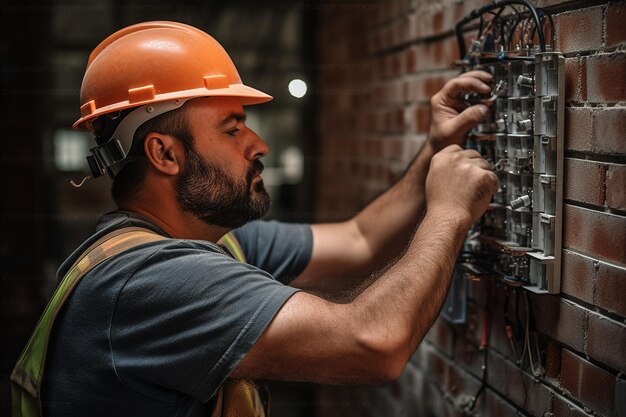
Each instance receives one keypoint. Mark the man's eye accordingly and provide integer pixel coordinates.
(233, 132)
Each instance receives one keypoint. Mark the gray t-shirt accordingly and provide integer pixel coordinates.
(157, 329)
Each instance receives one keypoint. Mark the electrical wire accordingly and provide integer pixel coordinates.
(536, 373)
(551, 21)
(478, 13)
(508, 327)
(484, 347)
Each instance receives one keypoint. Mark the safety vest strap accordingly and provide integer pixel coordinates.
(232, 244)
(28, 372)
(235, 398)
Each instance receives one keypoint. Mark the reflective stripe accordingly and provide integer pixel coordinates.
(232, 244)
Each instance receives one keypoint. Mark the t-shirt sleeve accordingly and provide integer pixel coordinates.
(281, 249)
(187, 317)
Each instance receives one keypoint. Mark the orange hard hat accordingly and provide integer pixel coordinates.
(154, 67)
(154, 62)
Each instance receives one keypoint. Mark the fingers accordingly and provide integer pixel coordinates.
(470, 153)
(457, 87)
(484, 76)
(451, 149)
(468, 118)
(469, 81)
(495, 182)
(473, 156)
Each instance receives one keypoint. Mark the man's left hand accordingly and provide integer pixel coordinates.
(451, 117)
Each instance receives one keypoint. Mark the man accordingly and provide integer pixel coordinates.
(157, 329)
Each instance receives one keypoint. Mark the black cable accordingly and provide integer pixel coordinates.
(480, 27)
(532, 34)
(483, 379)
(512, 31)
(551, 20)
(476, 13)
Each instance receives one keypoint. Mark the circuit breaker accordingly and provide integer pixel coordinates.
(518, 239)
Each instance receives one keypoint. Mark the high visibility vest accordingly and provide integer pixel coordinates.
(235, 398)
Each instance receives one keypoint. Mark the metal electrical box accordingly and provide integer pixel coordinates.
(519, 237)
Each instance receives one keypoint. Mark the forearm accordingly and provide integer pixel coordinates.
(402, 304)
(346, 254)
(387, 223)
(370, 339)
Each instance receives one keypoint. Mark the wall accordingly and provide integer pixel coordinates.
(379, 64)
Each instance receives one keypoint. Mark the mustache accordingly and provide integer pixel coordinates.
(255, 169)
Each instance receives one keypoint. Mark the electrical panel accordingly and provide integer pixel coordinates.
(518, 239)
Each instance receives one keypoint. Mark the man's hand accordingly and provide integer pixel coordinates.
(460, 182)
(451, 117)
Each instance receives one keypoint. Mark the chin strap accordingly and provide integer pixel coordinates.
(110, 157)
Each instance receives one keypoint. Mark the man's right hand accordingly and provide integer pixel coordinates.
(460, 182)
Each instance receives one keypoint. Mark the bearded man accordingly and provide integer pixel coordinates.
(166, 325)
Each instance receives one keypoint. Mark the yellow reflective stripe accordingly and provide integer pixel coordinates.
(231, 243)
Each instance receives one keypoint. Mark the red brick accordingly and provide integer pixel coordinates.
(609, 293)
(397, 64)
(472, 329)
(578, 276)
(467, 354)
(606, 341)
(559, 319)
(441, 59)
(615, 27)
(572, 79)
(578, 128)
(410, 59)
(425, 23)
(595, 233)
(498, 339)
(492, 404)
(433, 85)
(565, 408)
(452, 50)
(422, 119)
(606, 77)
(616, 187)
(589, 384)
(459, 382)
(585, 181)
(580, 30)
(553, 359)
(609, 127)
(519, 388)
(438, 21)
(480, 292)
(441, 335)
(425, 56)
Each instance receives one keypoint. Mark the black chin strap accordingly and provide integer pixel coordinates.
(108, 156)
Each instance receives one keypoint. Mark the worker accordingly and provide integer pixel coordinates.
(166, 325)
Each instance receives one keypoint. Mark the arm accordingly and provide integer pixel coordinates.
(371, 338)
(346, 253)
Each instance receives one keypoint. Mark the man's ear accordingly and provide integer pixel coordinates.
(164, 153)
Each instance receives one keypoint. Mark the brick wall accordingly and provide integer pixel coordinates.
(379, 63)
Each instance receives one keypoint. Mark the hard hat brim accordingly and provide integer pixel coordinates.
(248, 95)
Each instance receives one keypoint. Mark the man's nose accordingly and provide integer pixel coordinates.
(257, 148)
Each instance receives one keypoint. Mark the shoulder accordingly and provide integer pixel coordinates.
(266, 230)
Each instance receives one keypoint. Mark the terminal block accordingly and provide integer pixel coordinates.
(518, 239)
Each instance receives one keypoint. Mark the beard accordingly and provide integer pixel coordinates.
(210, 194)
